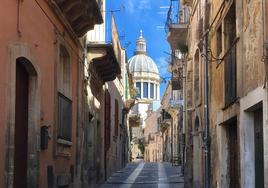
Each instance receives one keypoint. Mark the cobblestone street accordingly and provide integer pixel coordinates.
(149, 175)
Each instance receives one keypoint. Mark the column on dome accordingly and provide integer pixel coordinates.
(155, 91)
(141, 89)
(158, 92)
(149, 94)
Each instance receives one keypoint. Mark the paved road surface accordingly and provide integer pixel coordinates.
(146, 175)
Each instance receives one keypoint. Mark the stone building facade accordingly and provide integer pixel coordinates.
(166, 125)
(153, 138)
(107, 92)
(238, 107)
(229, 38)
(42, 58)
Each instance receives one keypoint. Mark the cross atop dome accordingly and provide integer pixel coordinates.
(141, 34)
(140, 44)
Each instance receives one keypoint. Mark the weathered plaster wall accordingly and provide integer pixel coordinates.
(250, 76)
(38, 33)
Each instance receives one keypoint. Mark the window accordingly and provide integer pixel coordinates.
(196, 78)
(64, 117)
(107, 120)
(138, 87)
(151, 90)
(116, 118)
(230, 59)
(145, 90)
(64, 73)
(64, 95)
(219, 40)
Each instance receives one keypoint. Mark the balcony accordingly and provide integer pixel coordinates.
(177, 35)
(134, 120)
(176, 83)
(177, 26)
(177, 74)
(104, 63)
(165, 115)
(129, 103)
(78, 16)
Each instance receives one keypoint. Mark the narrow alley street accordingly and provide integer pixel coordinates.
(149, 175)
(134, 94)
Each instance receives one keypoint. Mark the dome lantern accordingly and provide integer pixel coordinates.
(140, 45)
(141, 63)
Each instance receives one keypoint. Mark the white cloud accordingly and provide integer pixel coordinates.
(136, 6)
(130, 6)
(144, 5)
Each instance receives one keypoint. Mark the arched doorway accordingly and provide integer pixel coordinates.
(21, 126)
(25, 129)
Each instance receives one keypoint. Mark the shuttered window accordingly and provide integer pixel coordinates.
(116, 117)
(64, 117)
(230, 59)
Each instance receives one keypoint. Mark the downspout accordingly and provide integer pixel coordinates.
(172, 130)
(206, 106)
(265, 42)
(184, 114)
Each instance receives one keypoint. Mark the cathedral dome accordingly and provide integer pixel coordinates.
(141, 62)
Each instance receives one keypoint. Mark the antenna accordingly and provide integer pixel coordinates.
(122, 36)
(112, 11)
(121, 8)
(127, 44)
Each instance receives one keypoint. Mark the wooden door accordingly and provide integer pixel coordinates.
(21, 127)
(258, 140)
(233, 153)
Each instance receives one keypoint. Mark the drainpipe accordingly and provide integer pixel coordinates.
(184, 114)
(265, 41)
(206, 106)
(172, 130)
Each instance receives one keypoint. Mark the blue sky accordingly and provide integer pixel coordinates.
(145, 15)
